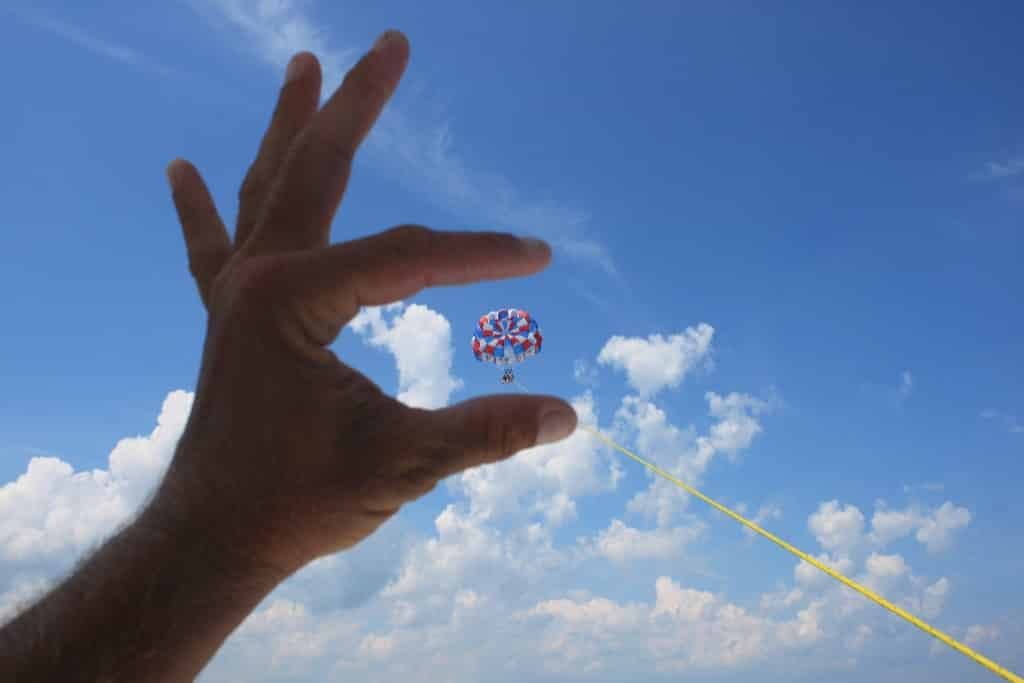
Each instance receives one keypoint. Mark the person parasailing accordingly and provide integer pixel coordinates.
(505, 337)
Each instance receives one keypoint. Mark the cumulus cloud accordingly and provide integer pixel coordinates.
(545, 479)
(420, 339)
(934, 598)
(884, 566)
(845, 616)
(584, 373)
(809, 575)
(467, 551)
(51, 510)
(764, 514)
(736, 424)
(980, 633)
(491, 583)
(934, 528)
(623, 544)
(937, 529)
(781, 599)
(22, 592)
(684, 630)
(682, 452)
(657, 362)
(836, 527)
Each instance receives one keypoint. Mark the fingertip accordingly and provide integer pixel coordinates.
(537, 249)
(556, 421)
(300, 65)
(391, 41)
(176, 171)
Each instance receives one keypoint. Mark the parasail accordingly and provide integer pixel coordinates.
(504, 337)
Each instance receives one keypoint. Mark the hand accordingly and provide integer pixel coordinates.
(289, 454)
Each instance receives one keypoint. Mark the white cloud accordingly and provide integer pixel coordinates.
(806, 629)
(980, 633)
(737, 423)
(491, 595)
(685, 630)
(765, 513)
(420, 339)
(468, 551)
(906, 384)
(781, 599)
(890, 525)
(376, 646)
(837, 528)
(623, 544)
(51, 510)
(859, 638)
(422, 154)
(22, 592)
(286, 639)
(809, 575)
(934, 598)
(584, 373)
(936, 532)
(934, 528)
(544, 479)
(680, 451)
(885, 566)
(1009, 422)
(997, 170)
(657, 362)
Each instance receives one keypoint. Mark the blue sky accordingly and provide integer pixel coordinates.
(837, 192)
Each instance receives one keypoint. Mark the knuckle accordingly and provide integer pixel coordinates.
(254, 281)
(329, 150)
(409, 240)
(415, 235)
(417, 483)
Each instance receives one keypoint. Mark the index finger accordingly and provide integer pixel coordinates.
(393, 265)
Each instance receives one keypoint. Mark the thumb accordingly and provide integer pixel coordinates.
(488, 429)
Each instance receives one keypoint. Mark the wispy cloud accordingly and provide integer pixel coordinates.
(418, 148)
(906, 384)
(1004, 169)
(996, 171)
(81, 38)
(1010, 422)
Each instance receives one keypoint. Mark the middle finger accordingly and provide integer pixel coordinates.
(296, 105)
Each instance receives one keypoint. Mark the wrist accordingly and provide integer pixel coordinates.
(170, 522)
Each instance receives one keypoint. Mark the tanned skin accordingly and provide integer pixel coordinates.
(289, 454)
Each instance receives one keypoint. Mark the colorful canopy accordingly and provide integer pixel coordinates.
(506, 336)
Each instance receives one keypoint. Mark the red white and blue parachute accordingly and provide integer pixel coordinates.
(506, 336)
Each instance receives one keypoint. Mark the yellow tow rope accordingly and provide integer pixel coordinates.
(869, 594)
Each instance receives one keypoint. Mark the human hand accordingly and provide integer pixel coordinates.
(289, 454)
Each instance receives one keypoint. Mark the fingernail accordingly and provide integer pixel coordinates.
(384, 41)
(555, 424)
(535, 246)
(175, 172)
(296, 68)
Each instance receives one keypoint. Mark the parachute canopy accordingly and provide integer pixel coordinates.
(506, 336)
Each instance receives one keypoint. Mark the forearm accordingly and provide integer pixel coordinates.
(154, 603)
